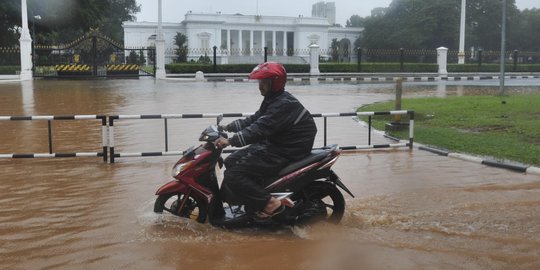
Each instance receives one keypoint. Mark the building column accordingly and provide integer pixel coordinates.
(273, 43)
(285, 43)
(240, 45)
(26, 45)
(229, 41)
(251, 43)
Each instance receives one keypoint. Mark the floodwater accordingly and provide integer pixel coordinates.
(413, 209)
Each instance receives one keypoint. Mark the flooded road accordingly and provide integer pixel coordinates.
(413, 210)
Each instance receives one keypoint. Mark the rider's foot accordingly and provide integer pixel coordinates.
(273, 207)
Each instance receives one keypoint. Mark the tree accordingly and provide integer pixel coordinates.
(180, 40)
(9, 22)
(484, 22)
(527, 35)
(334, 47)
(204, 59)
(64, 21)
(132, 58)
(427, 24)
(355, 21)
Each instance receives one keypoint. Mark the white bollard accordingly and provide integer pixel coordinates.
(199, 76)
(442, 60)
(314, 60)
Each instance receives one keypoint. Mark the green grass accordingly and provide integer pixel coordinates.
(506, 128)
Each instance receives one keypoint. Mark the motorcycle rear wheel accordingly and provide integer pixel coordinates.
(193, 209)
(330, 195)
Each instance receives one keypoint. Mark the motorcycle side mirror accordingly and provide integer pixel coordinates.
(219, 119)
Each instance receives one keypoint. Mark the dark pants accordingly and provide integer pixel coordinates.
(248, 171)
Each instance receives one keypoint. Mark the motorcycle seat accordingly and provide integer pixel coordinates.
(316, 155)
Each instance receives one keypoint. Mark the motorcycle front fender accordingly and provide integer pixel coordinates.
(173, 187)
(179, 187)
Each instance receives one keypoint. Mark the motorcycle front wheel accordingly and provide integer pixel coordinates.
(193, 207)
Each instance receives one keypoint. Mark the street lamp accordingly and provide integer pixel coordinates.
(503, 47)
(34, 18)
(461, 53)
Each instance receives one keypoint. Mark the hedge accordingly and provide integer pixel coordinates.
(303, 68)
(493, 68)
(379, 67)
(9, 70)
(228, 68)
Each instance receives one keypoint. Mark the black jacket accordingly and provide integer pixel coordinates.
(281, 123)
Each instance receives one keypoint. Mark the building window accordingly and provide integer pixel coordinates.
(204, 42)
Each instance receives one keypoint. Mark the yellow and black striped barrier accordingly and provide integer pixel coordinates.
(122, 67)
(73, 70)
(129, 69)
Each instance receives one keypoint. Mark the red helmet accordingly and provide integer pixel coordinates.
(272, 70)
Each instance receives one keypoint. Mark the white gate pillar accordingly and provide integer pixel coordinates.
(26, 45)
(314, 60)
(442, 60)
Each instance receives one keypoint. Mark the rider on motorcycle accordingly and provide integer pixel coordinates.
(280, 132)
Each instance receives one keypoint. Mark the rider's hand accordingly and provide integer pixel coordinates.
(222, 127)
(222, 142)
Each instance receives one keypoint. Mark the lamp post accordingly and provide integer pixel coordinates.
(160, 46)
(34, 18)
(461, 53)
(503, 47)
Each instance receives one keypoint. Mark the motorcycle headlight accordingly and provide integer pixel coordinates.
(179, 168)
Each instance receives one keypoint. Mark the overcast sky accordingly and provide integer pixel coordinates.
(174, 10)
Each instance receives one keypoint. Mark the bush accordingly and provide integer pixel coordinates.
(204, 59)
(493, 68)
(183, 68)
(9, 70)
(379, 67)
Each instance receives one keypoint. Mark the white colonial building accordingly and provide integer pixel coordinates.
(242, 38)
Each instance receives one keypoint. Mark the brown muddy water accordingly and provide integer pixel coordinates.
(413, 209)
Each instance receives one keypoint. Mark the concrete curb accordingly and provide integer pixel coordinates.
(358, 77)
(487, 162)
(372, 79)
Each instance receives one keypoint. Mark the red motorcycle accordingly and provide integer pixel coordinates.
(308, 188)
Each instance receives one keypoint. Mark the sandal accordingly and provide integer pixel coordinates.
(263, 215)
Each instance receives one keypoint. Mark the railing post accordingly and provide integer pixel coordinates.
(411, 129)
(155, 59)
(369, 130)
(401, 59)
(50, 135)
(166, 136)
(325, 132)
(515, 60)
(399, 95)
(94, 56)
(215, 59)
(104, 137)
(359, 56)
(480, 59)
(111, 138)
